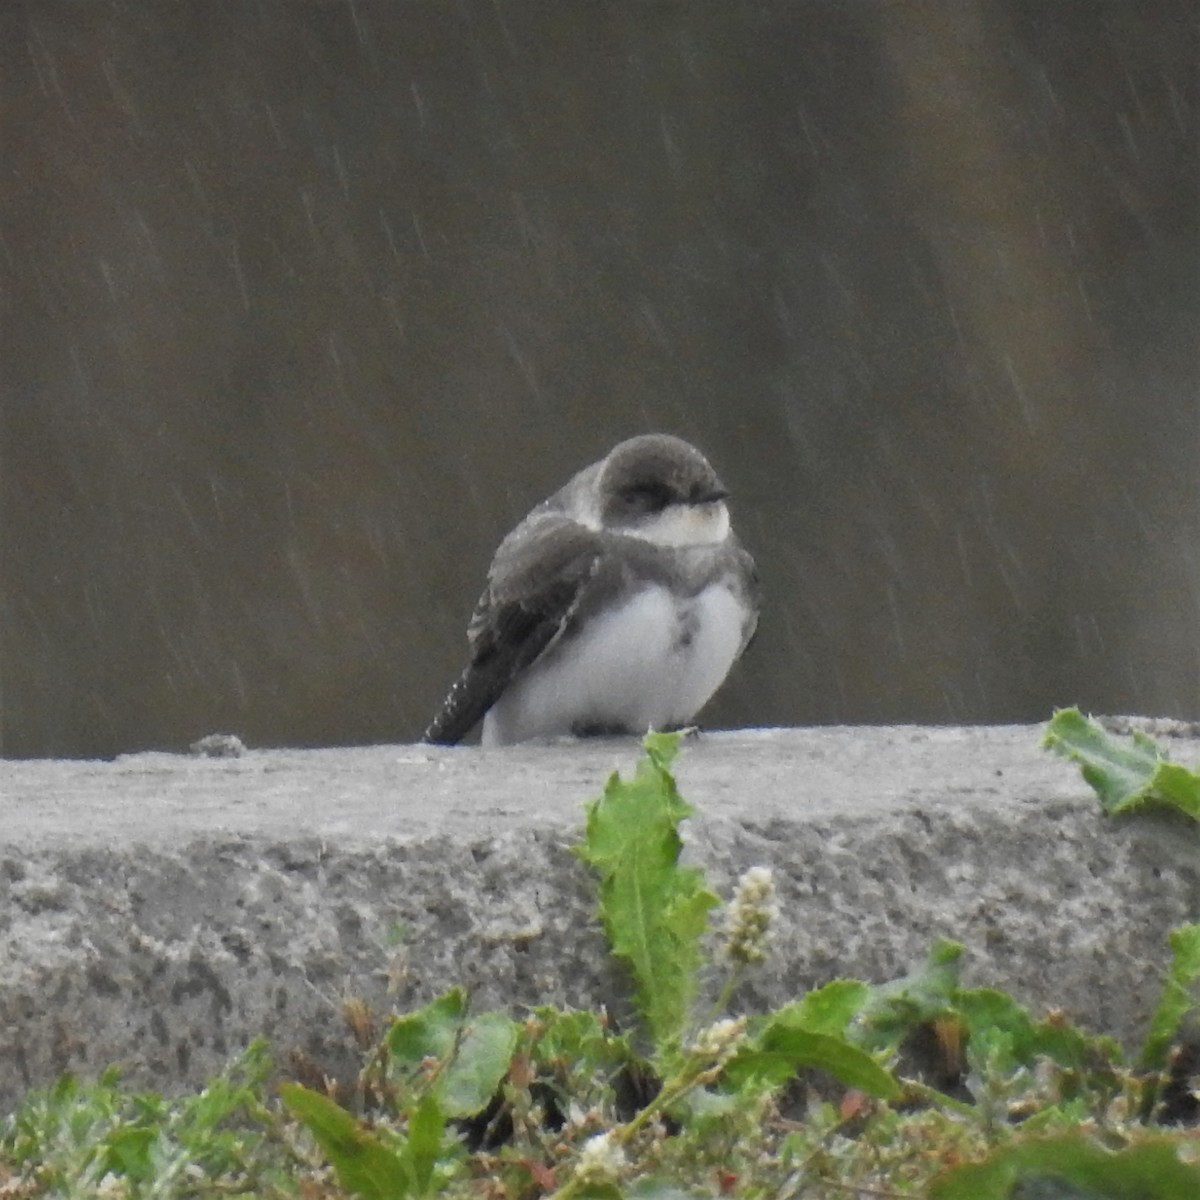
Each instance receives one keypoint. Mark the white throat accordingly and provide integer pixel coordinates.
(681, 525)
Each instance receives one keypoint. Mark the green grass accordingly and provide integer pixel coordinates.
(920, 1087)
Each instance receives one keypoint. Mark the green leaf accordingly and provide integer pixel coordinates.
(579, 1042)
(364, 1165)
(1124, 775)
(654, 911)
(426, 1124)
(428, 1033)
(985, 1009)
(784, 1045)
(662, 749)
(129, 1152)
(1119, 774)
(1179, 787)
(474, 1053)
(1178, 998)
(893, 1009)
(578, 1055)
(479, 1066)
(831, 1007)
(1071, 1166)
(579, 1038)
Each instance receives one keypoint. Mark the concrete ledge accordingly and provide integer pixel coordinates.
(159, 911)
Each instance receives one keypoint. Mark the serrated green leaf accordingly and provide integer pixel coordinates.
(893, 1009)
(571, 1033)
(1151, 1170)
(662, 748)
(364, 1165)
(985, 1009)
(1124, 775)
(579, 1037)
(1179, 996)
(578, 1053)
(479, 1065)
(783, 1045)
(1179, 787)
(1119, 773)
(654, 911)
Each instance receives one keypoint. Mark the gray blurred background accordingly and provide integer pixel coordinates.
(304, 303)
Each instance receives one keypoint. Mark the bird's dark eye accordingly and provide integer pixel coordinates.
(646, 497)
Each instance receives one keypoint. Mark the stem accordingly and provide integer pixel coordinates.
(667, 1094)
(692, 1074)
(721, 1004)
(939, 1099)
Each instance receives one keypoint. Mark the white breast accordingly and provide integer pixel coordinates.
(651, 664)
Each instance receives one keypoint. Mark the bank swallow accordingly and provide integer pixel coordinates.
(617, 605)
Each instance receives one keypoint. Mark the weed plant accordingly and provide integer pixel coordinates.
(917, 1088)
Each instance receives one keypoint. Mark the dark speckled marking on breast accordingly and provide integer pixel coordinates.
(689, 626)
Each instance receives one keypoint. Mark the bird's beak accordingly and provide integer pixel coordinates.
(711, 495)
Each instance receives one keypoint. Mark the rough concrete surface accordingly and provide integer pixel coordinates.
(159, 911)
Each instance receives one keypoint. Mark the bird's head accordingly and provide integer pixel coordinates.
(661, 489)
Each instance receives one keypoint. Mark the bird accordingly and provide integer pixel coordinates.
(617, 606)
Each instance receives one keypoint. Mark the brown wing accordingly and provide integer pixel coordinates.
(534, 587)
